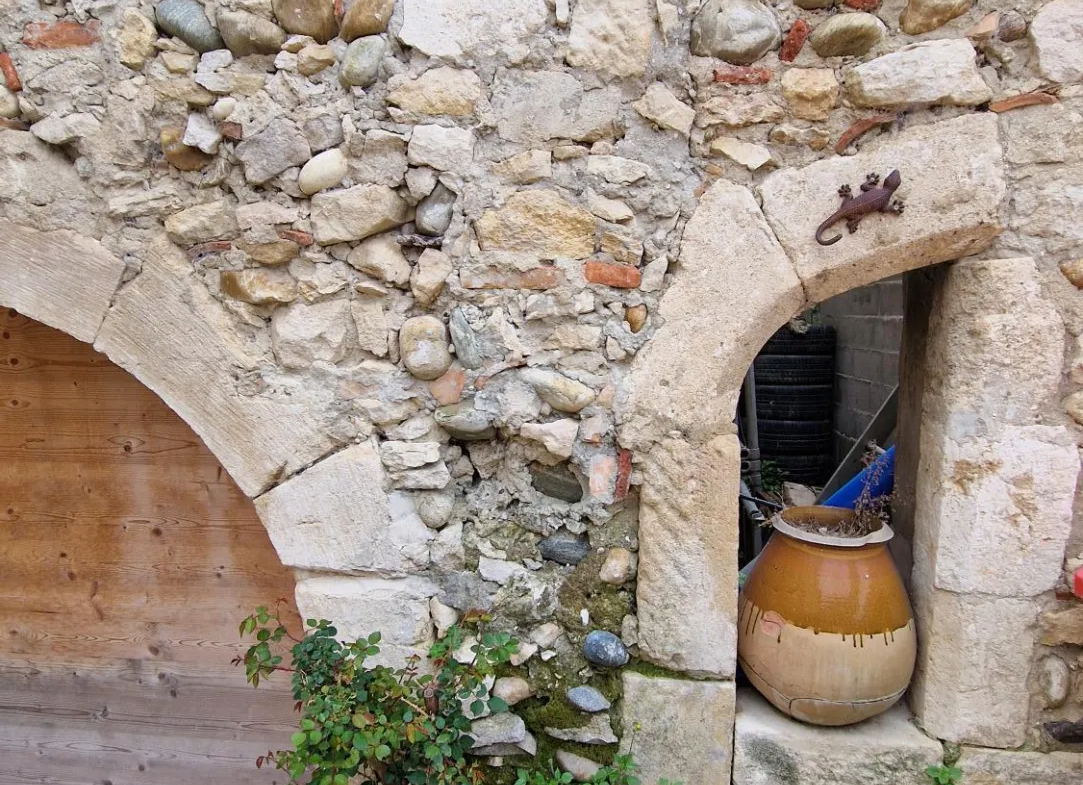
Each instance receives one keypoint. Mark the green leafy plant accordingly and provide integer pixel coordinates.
(371, 724)
(944, 775)
(772, 476)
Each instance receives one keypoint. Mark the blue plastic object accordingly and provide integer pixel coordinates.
(880, 473)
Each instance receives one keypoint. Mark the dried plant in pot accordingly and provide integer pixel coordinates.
(825, 630)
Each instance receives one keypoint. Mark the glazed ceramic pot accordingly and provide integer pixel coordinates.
(825, 630)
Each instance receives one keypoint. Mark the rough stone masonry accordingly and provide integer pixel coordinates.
(461, 292)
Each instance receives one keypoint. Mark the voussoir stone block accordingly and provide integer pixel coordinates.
(731, 290)
(678, 729)
(397, 608)
(687, 586)
(953, 185)
(773, 749)
(169, 332)
(335, 516)
(60, 278)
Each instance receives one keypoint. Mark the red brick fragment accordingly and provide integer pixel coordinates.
(494, 278)
(863, 5)
(14, 125)
(63, 34)
(301, 238)
(234, 131)
(448, 389)
(600, 474)
(861, 127)
(742, 74)
(217, 246)
(624, 474)
(11, 76)
(1019, 101)
(795, 40)
(620, 276)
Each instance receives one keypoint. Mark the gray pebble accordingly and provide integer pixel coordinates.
(467, 348)
(587, 699)
(361, 65)
(434, 212)
(564, 548)
(605, 648)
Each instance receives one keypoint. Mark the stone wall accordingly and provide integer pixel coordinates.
(462, 293)
(868, 322)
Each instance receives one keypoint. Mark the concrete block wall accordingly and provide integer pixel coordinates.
(869, 323)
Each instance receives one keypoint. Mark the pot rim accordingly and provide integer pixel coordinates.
(881, 535)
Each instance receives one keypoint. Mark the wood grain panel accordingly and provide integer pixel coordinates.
(127, 558)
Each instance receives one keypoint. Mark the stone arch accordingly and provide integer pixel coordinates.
(323, 503)
(746, 266)
(165, 329)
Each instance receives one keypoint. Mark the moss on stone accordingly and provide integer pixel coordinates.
(644, 668)
(607, 605)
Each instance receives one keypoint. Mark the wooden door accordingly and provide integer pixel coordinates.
(127, 558)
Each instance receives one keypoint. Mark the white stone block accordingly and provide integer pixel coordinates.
(397, 608)
(687, 589)
(998, 767)
(974, 655)
(60, 278)
(336, 516)
(677, 729)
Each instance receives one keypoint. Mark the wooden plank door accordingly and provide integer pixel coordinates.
(127, 558)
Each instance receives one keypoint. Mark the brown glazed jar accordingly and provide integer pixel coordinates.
(825, 631)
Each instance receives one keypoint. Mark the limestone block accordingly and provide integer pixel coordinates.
(304, 334)
(994, 515)
(458, 28)
(535, 106)
(441, 91)
(773, 749)
(202, 222)
(974, 654)
(398, 608)
(952, 182)
(60, 278)
(687, 589)
(540, 223)
(665, 110)
(729, 294)
(995, 347)
(166, 330)
(1057, 33)
(684, 729)
(356, 213)
(997, 767)
(335, 516)
(941, 72)
(40, 188)
(611, 36)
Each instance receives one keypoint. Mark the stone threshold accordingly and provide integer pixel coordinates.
(773, 749)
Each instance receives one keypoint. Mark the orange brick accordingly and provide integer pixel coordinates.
(297, 236)
(863, 5)
(11, 76)
(795, 39)
(742, 74)
(448, 389)
(64, 34)
(620, 276)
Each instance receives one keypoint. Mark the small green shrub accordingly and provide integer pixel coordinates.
(384, 726)
(944, 775)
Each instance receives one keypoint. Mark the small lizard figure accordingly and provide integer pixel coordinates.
(874, 198)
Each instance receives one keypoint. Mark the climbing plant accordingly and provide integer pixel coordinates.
(380, 725)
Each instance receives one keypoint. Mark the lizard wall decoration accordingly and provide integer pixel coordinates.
(875, 198)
